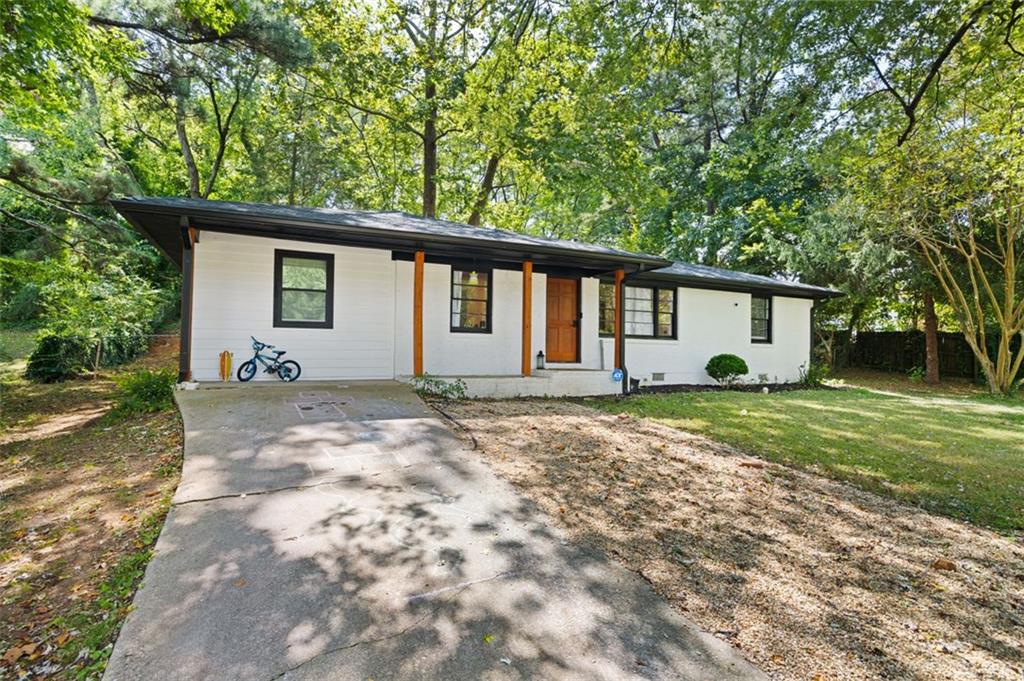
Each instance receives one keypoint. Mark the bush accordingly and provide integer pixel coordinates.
(812, 376)
(58, 356)
(726, 369)
(143, 392)
(432, 386)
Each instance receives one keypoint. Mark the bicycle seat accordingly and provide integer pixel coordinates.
(279, 352)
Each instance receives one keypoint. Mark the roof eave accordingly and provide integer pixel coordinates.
(219, 220)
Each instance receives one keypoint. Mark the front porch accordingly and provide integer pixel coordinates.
(541, 383)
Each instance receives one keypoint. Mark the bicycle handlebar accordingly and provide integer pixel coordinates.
(260, 344)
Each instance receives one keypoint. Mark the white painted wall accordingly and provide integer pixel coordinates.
(452, 353)
(234, 298)
(372, 334)
(714, 322)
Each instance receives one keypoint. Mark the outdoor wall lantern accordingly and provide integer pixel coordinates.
(540, 359)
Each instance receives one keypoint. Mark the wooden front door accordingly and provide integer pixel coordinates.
(563, 314)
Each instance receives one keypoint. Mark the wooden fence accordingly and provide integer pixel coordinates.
(904, 350)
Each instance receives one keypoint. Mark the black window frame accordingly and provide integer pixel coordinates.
(769, 320)
(656, 293)
(451, 299)
(328, 258)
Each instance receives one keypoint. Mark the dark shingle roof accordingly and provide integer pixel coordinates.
(344, 221)
(160, 219)
(689, 273)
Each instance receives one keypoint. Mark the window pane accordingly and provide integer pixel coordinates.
(666, 298)
(637, 293)
(469, 320)
(304, 273)
(469, 292)
(760, 318)
(469, 300)
(664, 324)
(475, 278)
(606, 308)
(639, 328)
(303, 306)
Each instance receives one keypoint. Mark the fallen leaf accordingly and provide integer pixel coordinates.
(240, 582)
(488, 638)
(943, 564)
(14, 653)
(752, 464)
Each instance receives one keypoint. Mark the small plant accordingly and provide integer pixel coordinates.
(726, 369)
(143, 392)
(916, 374)
(813, 375)
(433, 386)
(58, 356)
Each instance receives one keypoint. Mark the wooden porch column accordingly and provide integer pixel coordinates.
(620, 275)
(527, 316)
(189, 237)
(417, 315)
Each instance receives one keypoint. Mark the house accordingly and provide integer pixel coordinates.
(373, 295)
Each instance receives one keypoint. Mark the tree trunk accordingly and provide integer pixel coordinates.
(430, 152)
(486, 187)
(931, 339)
(186, 148)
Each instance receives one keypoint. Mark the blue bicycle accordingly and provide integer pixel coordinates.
(287, 371)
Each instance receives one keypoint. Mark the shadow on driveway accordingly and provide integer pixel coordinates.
(340, 531)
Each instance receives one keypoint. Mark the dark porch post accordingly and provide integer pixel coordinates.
(188, 239)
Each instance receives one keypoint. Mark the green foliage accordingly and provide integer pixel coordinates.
(433, 386)
(916, 374)
(59, 355)
(812, 375)
(726, 368)
(144, 391)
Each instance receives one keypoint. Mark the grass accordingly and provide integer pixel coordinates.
(85, 488)
(957, 453)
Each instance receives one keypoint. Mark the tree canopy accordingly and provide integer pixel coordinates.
(796, 138)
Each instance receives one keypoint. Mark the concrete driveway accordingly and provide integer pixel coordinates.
(342, 531)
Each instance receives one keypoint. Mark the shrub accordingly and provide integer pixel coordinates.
(58, 356)
(812, 376)
(916, 374)
(143, 392)
(726, 368)
(432, 386)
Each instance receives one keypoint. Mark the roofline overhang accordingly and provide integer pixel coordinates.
(808, 292)
(215, 220)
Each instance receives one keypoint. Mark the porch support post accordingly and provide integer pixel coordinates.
(417, 315)
(188, 240)
(527, 316)
(620, 335)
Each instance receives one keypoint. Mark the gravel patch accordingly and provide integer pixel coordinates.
(810, 578)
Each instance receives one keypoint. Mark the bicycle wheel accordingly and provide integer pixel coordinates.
(289, 371)
(246, 370)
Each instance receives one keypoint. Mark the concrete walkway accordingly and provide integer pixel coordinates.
(341, 531)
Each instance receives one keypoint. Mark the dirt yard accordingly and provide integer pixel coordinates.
(82, 499)
(811, 579)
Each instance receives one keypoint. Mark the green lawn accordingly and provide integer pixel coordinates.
(955, 455)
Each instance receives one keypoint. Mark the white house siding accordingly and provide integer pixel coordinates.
(448, 353)
(234, 299)
(372, 334)
(714, 322)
